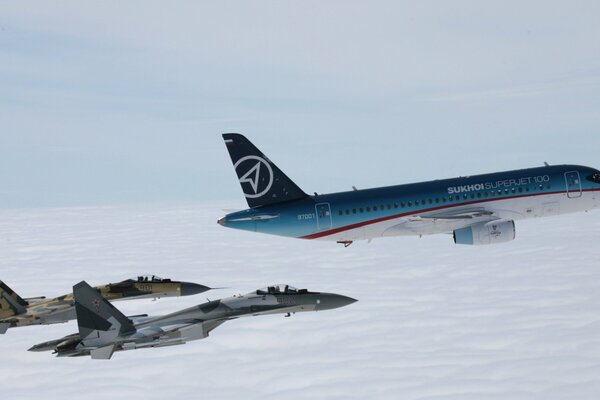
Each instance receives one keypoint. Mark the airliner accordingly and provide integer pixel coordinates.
(476, 210)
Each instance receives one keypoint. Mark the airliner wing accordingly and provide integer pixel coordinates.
(440, 221)
(469, 213)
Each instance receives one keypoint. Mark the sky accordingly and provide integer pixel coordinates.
(112, 165)
(433, 321)
(124, 102)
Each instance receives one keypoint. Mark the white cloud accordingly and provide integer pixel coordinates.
(434, 320)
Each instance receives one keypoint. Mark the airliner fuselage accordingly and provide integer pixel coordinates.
(478, 209)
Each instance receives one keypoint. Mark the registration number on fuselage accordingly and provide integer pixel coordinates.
(302, 217)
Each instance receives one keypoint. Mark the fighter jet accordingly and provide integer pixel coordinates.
(103, 329)
(16, 311)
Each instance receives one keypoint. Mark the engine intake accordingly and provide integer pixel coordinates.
(492, 232)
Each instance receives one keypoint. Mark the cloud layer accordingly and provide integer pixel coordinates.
(434, 320)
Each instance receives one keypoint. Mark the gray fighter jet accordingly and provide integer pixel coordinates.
(103, 329)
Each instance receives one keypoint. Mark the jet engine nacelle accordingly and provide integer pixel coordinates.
(498, 231)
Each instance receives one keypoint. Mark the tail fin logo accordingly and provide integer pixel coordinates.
(256, 176)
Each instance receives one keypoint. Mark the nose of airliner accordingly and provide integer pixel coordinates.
(222, 221)
(189, 288)
(329, 301)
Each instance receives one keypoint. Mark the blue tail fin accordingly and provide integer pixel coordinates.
(262, 182)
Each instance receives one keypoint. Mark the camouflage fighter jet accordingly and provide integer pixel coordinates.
(16, 311)
(104, 330)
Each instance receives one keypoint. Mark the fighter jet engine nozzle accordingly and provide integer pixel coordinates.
(189, 289)
(329, 301)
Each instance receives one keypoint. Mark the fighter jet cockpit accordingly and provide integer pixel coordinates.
(146, 278)
(150, 278)
(280, 289)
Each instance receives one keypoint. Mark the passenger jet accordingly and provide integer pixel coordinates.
(477, 210)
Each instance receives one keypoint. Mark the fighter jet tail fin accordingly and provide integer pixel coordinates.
(99, 321)
(262, 182)
(11, 304)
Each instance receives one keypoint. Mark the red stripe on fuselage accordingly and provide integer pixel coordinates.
(376, 220)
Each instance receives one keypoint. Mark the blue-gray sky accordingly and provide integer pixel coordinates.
(120, 102)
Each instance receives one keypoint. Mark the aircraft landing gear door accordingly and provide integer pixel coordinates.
(323, 216)
(573, 184)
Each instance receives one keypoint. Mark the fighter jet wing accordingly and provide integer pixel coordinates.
(191, 330)
(211, 325)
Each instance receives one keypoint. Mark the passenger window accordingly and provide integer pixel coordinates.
(520, 189)
(395, 204)
(354, 211)
(402, 204)
(347, 212)
(361, 210)
(368, 209)
(409, 203)
(374, 208)
(389, 206)
(340, 212)
(437, 199)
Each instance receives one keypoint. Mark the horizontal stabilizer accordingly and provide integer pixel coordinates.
(103, 353)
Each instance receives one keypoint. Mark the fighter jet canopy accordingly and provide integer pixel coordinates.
(278, 289)
(148, 278)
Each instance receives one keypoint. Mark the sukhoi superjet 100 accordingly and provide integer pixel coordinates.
(477, 210)
(103, 329)
(16, 311)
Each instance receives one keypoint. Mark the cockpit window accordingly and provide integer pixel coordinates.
(277, 289)
(150, 278)
(595, 177)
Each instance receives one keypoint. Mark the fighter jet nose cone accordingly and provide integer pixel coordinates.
(351, 300)
(345, 301)
(189, 289)
(222, 221)
(332, 301)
